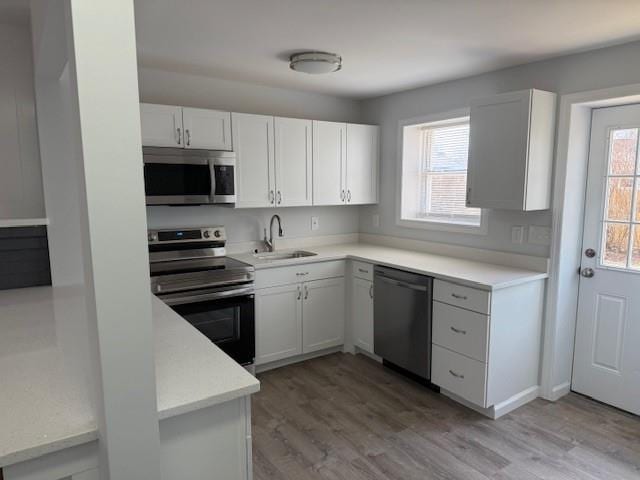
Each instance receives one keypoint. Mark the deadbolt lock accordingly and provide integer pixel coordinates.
(590, 253)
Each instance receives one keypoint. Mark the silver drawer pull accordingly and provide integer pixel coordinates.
(459, 297)
(302, 274)
(457, 375)
(362, 270)
(457, 330)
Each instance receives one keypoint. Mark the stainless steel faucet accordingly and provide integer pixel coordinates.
(268, 242)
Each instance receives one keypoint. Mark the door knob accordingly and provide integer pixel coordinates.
(587, 272)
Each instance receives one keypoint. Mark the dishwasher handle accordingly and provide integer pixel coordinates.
(398, 283)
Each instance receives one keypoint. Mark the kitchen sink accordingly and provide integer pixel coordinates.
(283, 255)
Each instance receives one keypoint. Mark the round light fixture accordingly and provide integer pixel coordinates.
(315, 62)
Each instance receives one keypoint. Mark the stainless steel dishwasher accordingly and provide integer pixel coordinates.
(402, 320)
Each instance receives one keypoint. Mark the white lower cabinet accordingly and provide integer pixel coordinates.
(323, 314)
(278, 323)
(297, 317)
(362, 313)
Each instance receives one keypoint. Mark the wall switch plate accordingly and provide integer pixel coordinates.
(539, 235)
(517, 234)
(375, 219)
(315, 223)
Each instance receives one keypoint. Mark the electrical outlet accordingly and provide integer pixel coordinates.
(539, 235)
(517, 234)
(315, 223)
(375, 219)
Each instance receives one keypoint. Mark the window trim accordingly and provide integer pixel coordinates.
(452, 116)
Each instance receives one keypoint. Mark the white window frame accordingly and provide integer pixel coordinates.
(430, 223)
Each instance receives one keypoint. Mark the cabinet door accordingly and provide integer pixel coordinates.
(293, 161)
(323, 314)
(362, 163)
(329, 153)
(161, 125)
(278, 323)
(362, 314)
(207, 129)
(253, 144)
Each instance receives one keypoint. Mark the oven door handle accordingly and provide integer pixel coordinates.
(205, 297)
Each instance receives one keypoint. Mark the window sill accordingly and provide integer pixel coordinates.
(481, 229)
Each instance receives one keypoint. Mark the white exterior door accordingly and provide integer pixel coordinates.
(322, 314)
(329, 152)
(253, 144)
(362, 163)
(362, 314)
(278, 323)
(161, 125)
(607, 353)
(206, 129)
(293, 162)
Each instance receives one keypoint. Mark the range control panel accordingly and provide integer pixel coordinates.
(204, 234)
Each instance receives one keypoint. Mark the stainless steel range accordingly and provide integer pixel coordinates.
(191, 273)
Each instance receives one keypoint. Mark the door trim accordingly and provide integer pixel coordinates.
(572, 147)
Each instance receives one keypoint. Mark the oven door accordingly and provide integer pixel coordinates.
(176, 179)
(225, 316)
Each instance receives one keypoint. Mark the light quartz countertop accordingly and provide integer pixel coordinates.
(45, 376)
(477, 274)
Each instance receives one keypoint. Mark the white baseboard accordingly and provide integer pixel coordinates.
(559, 391)
(497, 411)
(372, 356)
(298, 358)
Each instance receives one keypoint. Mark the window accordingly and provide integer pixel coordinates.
(434, 176)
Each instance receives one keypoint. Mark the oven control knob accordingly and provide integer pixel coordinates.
(152, 237)
(206, 234)
(216, 233)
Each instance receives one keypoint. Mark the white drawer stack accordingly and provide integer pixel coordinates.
(486, 345)
(460, 340)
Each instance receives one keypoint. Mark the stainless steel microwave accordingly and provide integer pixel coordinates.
(176, 176)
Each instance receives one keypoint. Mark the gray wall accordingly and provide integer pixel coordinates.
(608, 67)
(157, 86)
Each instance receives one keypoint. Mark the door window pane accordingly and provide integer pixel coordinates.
(624, 143)
(619, 194)
(637, 207)
(635, 251)
(616, 245)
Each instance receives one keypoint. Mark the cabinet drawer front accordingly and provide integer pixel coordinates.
(465, 297)
(460, 330)
(271, 277)
(363, 270)
(460, 375)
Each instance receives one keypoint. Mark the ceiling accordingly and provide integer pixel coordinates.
(387, 45)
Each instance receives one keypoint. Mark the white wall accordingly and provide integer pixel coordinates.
(245, 225)
(20, 176)
(591, 70)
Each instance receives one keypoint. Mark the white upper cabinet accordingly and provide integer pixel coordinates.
(511, 151)
(293, 162)
(362, 163)
(253, 144)
(206, 129)
(172, 126)
(161, 125)
(329, 155)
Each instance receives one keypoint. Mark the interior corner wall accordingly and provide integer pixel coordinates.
(246, 225)
(607, 67)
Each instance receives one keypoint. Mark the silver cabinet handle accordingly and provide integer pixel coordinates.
(279, 197)
(349, 196)
(301, 274)
(187, 135)
(342, 195)
(457, 330)
(371, 291)
(457, 375)
(179, 132)
(459, 297)
(299, 293)
(306, 292)
(271, 197)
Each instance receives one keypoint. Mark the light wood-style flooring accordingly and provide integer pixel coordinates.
(347, 417)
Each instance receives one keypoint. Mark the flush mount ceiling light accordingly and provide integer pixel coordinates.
(315, 62)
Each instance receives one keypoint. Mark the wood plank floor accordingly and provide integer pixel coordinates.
(347, 417)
